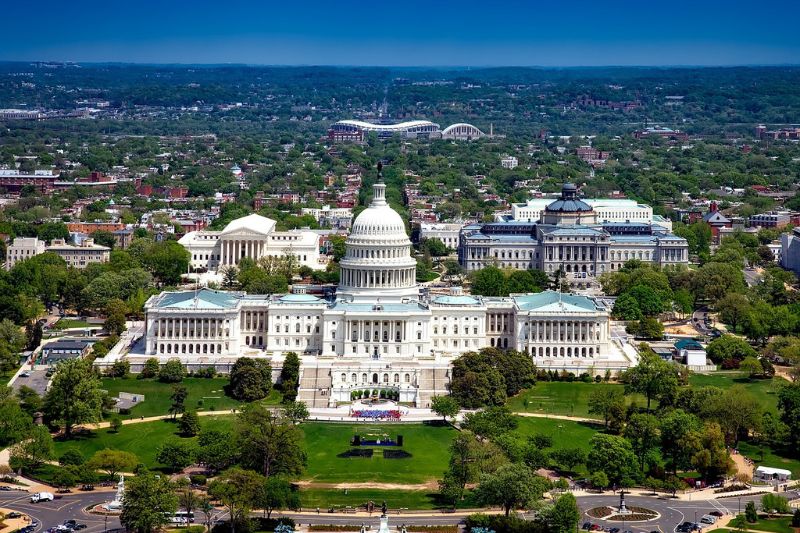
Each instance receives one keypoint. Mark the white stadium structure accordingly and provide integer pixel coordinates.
(462, 131)
(356, 130)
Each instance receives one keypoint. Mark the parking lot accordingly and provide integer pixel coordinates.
(37, 380)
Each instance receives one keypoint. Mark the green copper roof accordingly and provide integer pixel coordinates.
(202, 299)
(554, 301)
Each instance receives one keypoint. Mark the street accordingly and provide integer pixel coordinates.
(49, 514)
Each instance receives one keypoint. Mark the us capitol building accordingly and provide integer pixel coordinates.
(379, 332)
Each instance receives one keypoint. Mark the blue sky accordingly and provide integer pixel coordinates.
(404, 32)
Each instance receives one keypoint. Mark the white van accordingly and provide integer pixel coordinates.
(708, 519)
(42, 497)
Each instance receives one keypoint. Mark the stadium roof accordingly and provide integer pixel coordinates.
(400, 126)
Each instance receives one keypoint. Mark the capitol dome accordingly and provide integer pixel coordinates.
(377, 265)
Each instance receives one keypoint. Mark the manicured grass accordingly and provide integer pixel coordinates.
(781, 524)
(66, 323)
(771, 457)
(427, 444)
(565, 433)
(140, 439)
(562, 398)
(204, 395)
(764, 390)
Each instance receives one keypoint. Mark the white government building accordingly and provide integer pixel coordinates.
(379, 332)
(252, 236)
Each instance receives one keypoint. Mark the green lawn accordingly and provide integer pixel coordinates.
(141, 439)
(775, 525)
(204, 394)
(773, 458)
(765, 390)
(428, 446)
(562, 398)
(565, 434)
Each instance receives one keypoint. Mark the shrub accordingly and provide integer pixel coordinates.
(71, 457)
(171, 372)
(150, 368)
(197, 479)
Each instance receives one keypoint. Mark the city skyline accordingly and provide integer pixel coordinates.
(429, 35)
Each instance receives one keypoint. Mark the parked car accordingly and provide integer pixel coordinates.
(708, 519)
(718, 514)
(587, 526)
(25, 374)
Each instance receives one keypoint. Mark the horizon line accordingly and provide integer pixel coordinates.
(400, 66)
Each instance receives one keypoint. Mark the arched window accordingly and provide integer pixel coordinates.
(386, 378)
(363, 378)
(397, 378)
(407, 378)
(344, 376)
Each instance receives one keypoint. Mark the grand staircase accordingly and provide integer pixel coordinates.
(315, 386)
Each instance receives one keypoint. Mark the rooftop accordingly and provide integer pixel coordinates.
(553, 301)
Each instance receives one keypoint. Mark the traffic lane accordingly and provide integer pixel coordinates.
(672, 511)
(50, 514)
(342, 519)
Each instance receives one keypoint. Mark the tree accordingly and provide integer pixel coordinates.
(167, 261)
(789, 407)
(175, 454)
(189, 424)
(63, 478)
(115, 311)
(569, 458)
(120, 369)
(33, 334)
(71, 457)
(564, 516)
(150, 368)
(488, 377)
(772, 503)
(489, 281)
(250, 379)
(268, 443)
(679, 438)
(511, 486)
(444, 406)
(15, 423)
(652, 376)
(148, 503)
(33, 451)
(290, 376)
(463, 466)
(74, 395)
(491, 422)
(626, 308)
(750, 512)
(600, 480)
(647, 328)
(606, 401)
(614, 456)
(187, 498)
(113, 461)
(12, 341)
(751, 366)
(238, 490)
(216, 449)
(277, 493)
(733, 309)
(115, 424)
(737, 411)
(643, 432)
(29, 400)
(295, 412)
(171, 371)
(728, 347)
(178, 397)
(712, 460)
(435, 247)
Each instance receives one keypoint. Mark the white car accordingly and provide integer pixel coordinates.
(708, 519)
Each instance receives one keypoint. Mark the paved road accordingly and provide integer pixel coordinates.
(698, 321)
(50, 514)
(673, 512)
(37, 381)
(752, 277)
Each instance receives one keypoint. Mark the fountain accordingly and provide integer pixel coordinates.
(116, 503)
